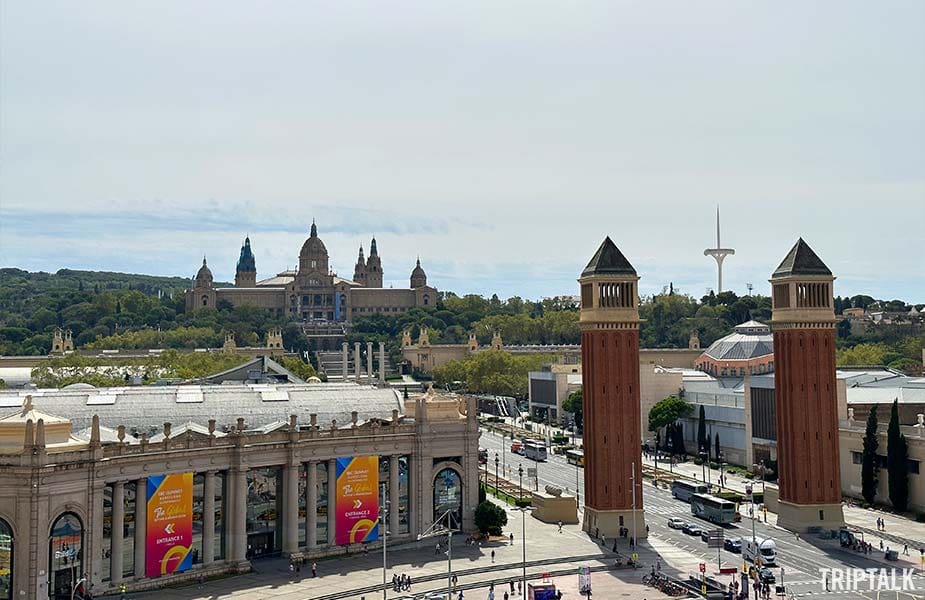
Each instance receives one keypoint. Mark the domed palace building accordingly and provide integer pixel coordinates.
(314, 294)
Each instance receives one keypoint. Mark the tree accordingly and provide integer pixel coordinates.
(717, 450)
(667, 411)
(573, 404)
(870, 470)
(703, 442)
(490, 518)
(897, 458)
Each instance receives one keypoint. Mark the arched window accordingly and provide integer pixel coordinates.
(65, 555)
(205, 301)
(448, 498)
(6, 561)
(426, 299)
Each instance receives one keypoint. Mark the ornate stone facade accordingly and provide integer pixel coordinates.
(313, 292)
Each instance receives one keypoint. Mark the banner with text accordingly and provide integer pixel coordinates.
(170, 524)
(357, 500)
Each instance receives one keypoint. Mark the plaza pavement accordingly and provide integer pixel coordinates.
(356, 576)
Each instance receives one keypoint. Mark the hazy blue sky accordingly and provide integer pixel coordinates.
(501, 141)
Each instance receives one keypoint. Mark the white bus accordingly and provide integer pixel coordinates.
(763, 549)
(713, 509)
(683, 490)
(575, 457)
(535, 450)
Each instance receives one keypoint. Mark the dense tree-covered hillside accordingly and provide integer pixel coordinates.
(118, 310)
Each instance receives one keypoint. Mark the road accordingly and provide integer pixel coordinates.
(800, 561)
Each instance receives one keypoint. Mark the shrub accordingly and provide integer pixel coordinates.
(920, 517)
(698, 461)
(490, 518)
(523, 503)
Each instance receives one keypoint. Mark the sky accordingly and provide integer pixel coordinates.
(499, 141)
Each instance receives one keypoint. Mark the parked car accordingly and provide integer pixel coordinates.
(733, 545)
(676, 523)
(692, 529)
(704, 535)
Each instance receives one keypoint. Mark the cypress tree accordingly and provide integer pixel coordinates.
(678, 432)
(897, 455)
(870, 470)
(717, 449)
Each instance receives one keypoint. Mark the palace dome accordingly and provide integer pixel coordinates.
(313, 246)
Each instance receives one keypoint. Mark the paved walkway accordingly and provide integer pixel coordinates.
(359, 576)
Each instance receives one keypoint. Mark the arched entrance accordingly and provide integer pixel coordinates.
(65, 555)
(448, 498)
(6, 561)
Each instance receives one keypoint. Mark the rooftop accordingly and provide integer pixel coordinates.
(801, 260)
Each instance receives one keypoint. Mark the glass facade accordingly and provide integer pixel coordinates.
(220, 492)
(321, 509)
(303, 513)
(199, 481)
(448, 497)
(6, 561)
(404, 494)
(65, 555)
(128, 545)
(264, 510)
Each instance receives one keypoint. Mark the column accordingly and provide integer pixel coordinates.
(118, 531)
(141, 525)
(332, 499)
(311, 505)
(208, 518)
(357, 362)
(344, 370)
(393, 494)
(237, 523)
(382, 363)
(369, 362)
(291, 509)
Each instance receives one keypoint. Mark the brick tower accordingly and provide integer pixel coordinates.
(610, 378)
(803, 321)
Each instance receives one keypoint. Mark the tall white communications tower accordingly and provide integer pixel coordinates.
(719, 253)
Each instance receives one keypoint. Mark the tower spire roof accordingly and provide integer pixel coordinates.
(314, 231)
(801, 260)
(373, 250)
(608, 260)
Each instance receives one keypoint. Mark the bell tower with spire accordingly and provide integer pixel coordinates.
(245, 274)
(359, 271)
(609, 323)
(373, 267)
(803, 321)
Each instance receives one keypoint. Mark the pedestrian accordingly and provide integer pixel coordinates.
(512, 538)
(505, 595)
(199, 580)
(314, 569)
(614, 549)
(881, 545)
(459, 596)
(291, 568)
(408, 579)
(492, 559)
(122, 591)
(437, 548)
(658, 565)
(491, 595)
(560, 526)
(519, 587)
(906, 549)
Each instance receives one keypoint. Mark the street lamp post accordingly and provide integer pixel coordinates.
(703, 465)
(497, 485)
(383, 523)
(520, 472)
(722, 470)
(670, 456)
(633, 481)
(77, 585)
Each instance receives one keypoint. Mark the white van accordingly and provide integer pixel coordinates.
(765, 548)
